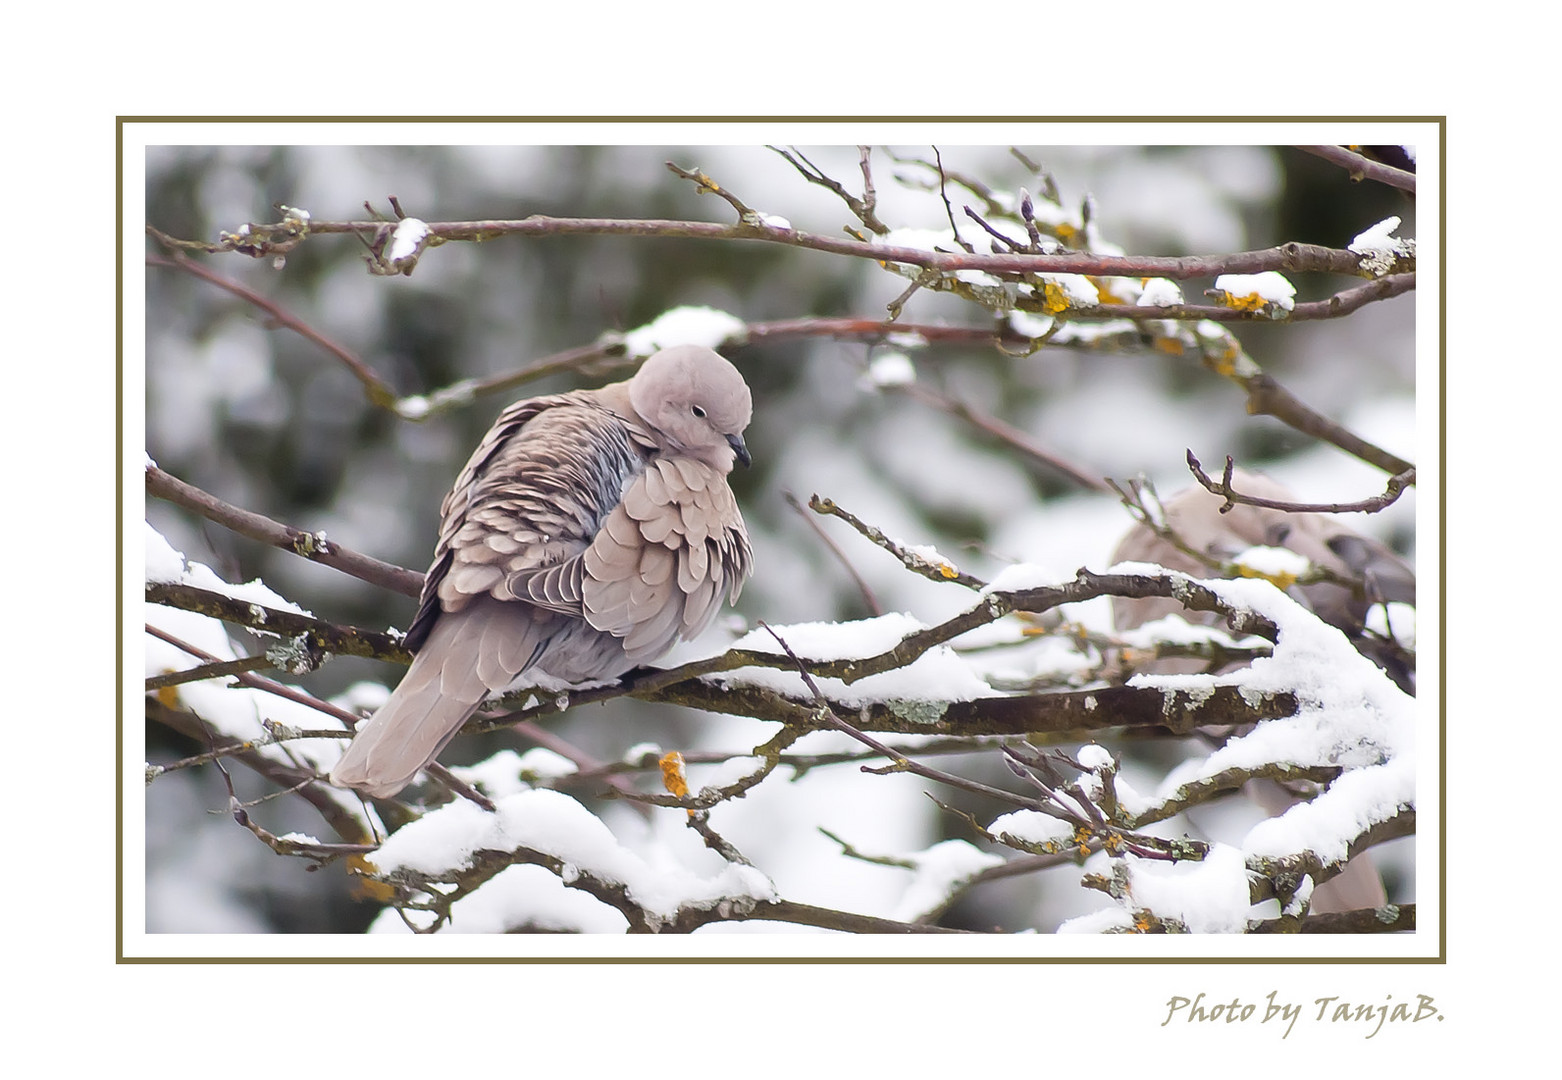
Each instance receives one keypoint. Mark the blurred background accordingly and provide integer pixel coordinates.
(268, 421)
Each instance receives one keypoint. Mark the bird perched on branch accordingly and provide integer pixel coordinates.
(590, 532)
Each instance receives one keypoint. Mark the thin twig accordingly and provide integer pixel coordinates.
(380, 393)
(898, 763)
(217, 670)
(1009, 435)
(1291, 257)
(312, 546)
(1394, 489)
(269, 686)
(1364, 168)
(941, 570)
(835, 549)
(703, 184)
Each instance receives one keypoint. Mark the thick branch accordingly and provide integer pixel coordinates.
(1049, 713)
(1266, 397)
(1266, 876)
(320, 635)
(1389, 919)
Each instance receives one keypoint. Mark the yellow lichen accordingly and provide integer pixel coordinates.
(672, 773)
(1054, 300)
(1280, 579)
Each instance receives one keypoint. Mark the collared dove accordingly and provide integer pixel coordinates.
(590, 532)
(1194, 516)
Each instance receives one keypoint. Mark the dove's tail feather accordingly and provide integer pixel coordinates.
(468, 655)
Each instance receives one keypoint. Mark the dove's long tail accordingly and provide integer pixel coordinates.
(468, 655)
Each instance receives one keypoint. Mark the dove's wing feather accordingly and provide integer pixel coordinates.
(533, 494)
(665, 557)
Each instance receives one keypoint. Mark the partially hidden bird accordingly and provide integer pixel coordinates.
(589, 533)
(1195, 517)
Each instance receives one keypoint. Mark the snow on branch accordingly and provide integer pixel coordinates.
(1039, 758)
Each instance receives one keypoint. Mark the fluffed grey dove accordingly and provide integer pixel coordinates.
(1194, 516)
(590, 532)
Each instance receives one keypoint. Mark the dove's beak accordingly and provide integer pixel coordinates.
(740, 448)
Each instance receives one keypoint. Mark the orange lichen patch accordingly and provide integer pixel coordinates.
(1249, 302)
(1105, 291)
(365, 887)
(1054, 300)
(1279, 579)
(1223, 362)
(672, 773)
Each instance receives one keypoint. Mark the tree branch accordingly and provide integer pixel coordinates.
(319, 635)
(379, 392)
(312, 546)
(1291, 257)
(1396, 487)
(1364, 168)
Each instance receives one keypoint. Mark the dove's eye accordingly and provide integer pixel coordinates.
(698, 411)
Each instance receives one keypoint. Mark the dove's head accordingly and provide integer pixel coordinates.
(697, 402)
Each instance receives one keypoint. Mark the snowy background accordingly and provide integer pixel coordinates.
(269, 422)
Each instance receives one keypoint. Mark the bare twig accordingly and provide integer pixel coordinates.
(319, 853)
(1395, 488)
(862, 208)
(379, 391)
(835, 549)
(949, 210)
(256, 682)
(1223, 354)
(1364, 168)
(217, 670)
(312, 546)
(1291, 257)
(827, 713)
(1266, 397)
(703, 184)
(930, 568)
(1009, 435)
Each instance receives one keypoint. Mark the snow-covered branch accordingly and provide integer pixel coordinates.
(1220, 764)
